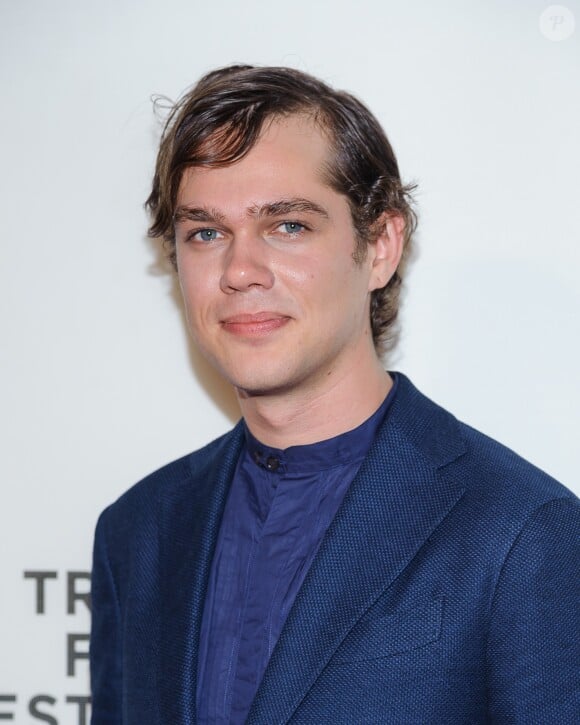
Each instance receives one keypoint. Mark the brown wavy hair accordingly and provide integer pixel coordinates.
(219, 120)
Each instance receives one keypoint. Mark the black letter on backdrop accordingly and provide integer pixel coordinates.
(72, 594)
(7, 715)
(83, 701)
(42, 715)
(72, 655)
(40, 577)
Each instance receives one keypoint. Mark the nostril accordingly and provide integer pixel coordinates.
(245, 272)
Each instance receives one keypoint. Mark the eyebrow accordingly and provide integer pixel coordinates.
(281, 207)
(296, 205)
(197, 214)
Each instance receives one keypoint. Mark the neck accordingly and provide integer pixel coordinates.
(308, 415)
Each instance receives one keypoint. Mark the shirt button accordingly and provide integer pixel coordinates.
(272, 464)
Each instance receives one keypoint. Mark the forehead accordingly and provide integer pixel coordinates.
(290, 157)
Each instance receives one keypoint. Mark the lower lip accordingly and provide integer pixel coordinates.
(255, 328)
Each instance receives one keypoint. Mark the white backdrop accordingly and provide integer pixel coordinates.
(99, 384)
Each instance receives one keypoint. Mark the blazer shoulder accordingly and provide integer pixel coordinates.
(494, 465)
(143, 496)
(487, 469)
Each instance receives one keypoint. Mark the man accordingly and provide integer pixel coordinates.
(350, 552)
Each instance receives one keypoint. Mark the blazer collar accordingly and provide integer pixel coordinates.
(397, 499)
(190, 514)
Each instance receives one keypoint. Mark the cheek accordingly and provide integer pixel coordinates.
(309, 270)
(194, 290)
(297, 276)
(329, 285)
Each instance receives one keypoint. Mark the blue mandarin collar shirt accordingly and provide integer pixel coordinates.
(279, 507)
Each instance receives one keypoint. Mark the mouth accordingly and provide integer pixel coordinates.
(254, 324)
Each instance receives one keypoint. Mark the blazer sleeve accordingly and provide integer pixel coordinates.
(105, 642)
(534, 640)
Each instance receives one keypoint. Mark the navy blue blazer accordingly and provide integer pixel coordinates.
(445, 590)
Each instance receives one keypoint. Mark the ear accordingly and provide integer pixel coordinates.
(386, 251)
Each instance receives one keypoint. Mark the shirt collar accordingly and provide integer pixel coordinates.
(349, 447)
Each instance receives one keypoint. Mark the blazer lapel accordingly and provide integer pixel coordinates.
(395, 502)
(190, 516)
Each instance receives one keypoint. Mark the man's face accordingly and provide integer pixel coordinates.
(264, 251)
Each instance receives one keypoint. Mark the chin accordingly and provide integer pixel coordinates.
(259, 380)
(249, 371)
(259, 386)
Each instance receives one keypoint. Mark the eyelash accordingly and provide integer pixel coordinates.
(298, 224)
(193, 234)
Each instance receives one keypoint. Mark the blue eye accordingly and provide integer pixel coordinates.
(206, 235)
(292, 227)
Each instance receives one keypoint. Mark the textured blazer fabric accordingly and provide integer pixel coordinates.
(445, 590)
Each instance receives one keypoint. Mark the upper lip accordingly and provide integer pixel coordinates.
(252, 317)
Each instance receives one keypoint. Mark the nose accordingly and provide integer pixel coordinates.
(246, 266)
